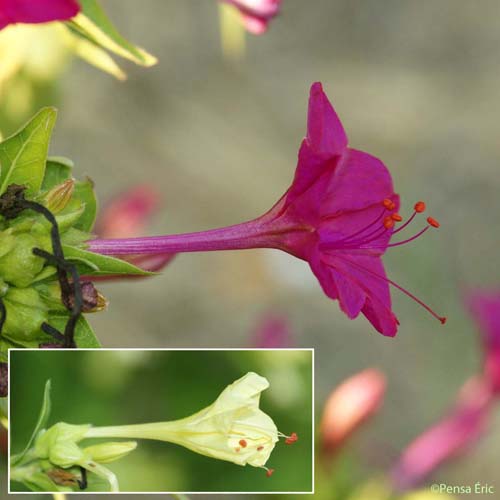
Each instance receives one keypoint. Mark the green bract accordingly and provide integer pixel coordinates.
(29, 286)
(53, 454)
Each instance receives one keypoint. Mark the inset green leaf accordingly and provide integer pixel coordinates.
(43, 418)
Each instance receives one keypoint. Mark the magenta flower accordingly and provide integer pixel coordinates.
(36, 11)
(449, 438)
(338, 215)
(256, 14)
(485, 307)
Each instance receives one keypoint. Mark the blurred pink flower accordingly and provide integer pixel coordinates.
(349, 406)
(273, 332)
(448, 438)
(256, 14)
(36, 11)
(485, 307)
(338, 215)
(128, 214)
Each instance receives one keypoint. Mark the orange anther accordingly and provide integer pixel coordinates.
(387, 203)
(260, 448)
(433, 222)
(269, 472)
(419, 207)
(388, 223)
(242, 443)
(396, 217)
(292, 439)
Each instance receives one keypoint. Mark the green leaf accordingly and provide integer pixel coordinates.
(74, 237)
(23, 155)
(94, 25)
(94, 264)
(84, 191)
(43, 417)
(57, 170)
(84, 335)
(92, 53)
(39, 482)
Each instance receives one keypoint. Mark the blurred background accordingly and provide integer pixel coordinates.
(157, 386)
(415, 83)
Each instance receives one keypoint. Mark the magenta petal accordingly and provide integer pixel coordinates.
(359, 180)
(324, 275)
(362, 286)
(325, 132)
(310, 167)
(36, 11)
(361, 229)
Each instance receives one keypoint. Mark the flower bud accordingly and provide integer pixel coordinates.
(109, 452)
(19, 266)
(349, 406)
(58, 444)
(26, 312)
(58, 197)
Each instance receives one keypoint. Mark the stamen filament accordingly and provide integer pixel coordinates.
(400, 228)
(347, 238)
(442, 319)
(398, 243)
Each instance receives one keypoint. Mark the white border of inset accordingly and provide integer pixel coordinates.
(311, 350)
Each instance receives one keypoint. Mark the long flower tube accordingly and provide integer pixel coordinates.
(339, 215)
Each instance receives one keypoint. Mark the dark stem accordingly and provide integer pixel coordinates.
(82, 483)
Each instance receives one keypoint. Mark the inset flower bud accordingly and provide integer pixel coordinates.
(59, 444)
(109, 452)
(58, 197)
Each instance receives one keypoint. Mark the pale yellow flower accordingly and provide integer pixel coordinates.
(233, 428)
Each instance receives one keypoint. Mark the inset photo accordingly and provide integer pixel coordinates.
(161, 421)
